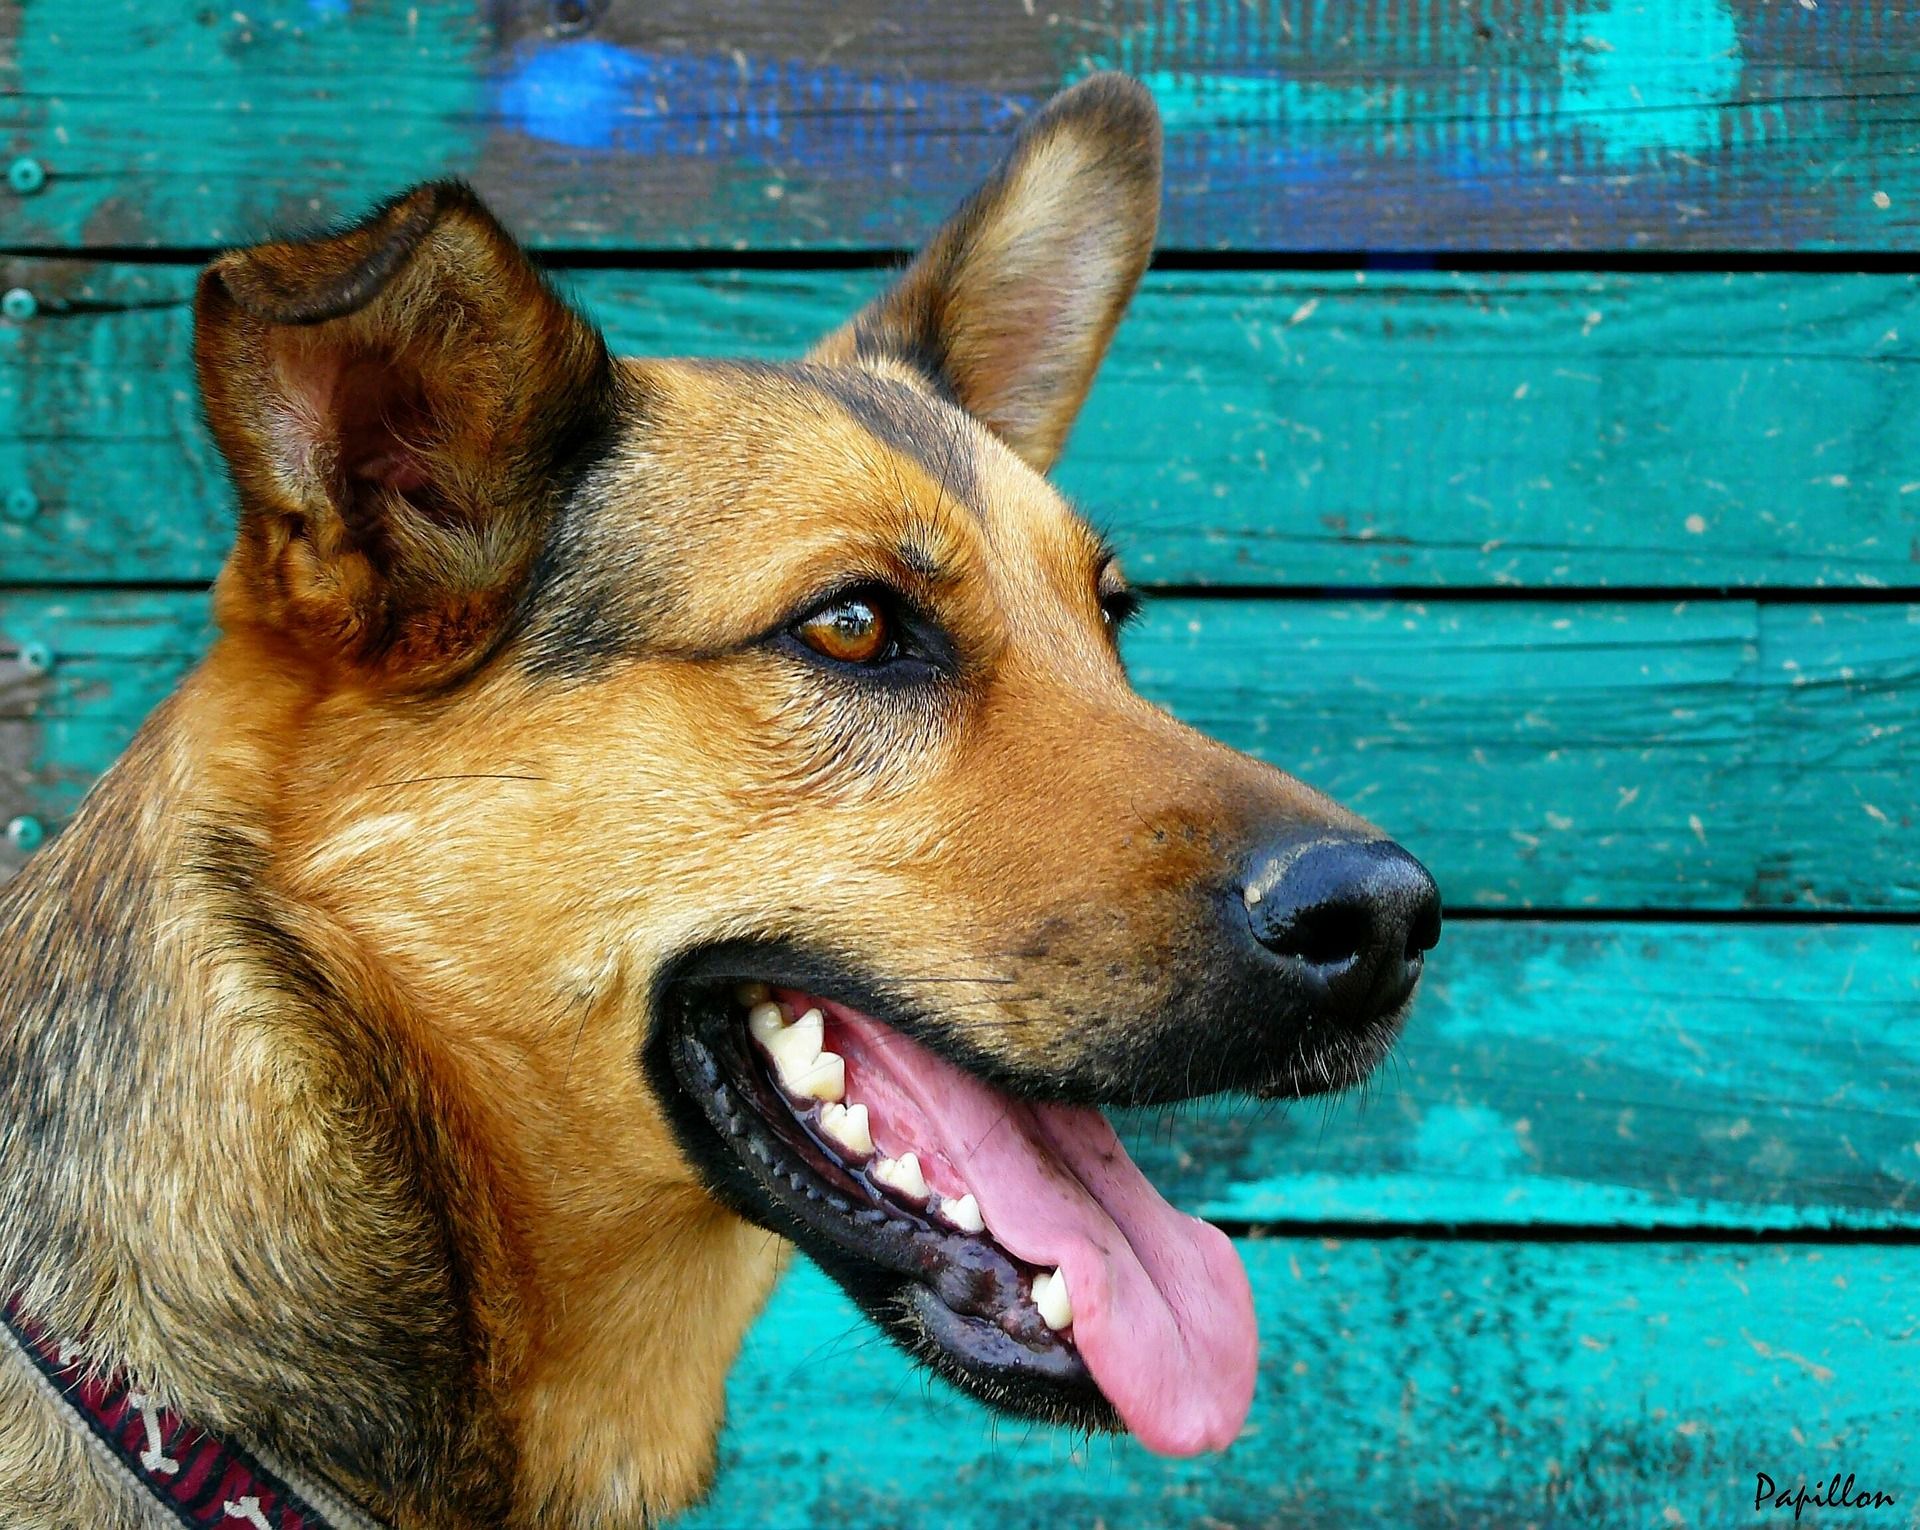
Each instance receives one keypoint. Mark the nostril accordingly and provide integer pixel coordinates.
(1329, 935)
(1423, 934)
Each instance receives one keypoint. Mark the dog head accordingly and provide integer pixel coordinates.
(734, 770)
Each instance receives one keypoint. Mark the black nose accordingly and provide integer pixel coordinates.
(1353, 916)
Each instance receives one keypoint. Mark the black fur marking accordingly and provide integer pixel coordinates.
(582, 609)
(909, 420)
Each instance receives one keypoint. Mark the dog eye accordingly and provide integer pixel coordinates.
(1118, 607)
(1118, 603)
(848, 630)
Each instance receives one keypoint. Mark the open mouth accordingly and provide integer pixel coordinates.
(1010, 1244)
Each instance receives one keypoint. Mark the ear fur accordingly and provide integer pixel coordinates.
(1011, 305)
(399, 405)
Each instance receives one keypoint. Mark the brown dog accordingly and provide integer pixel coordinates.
(634, 807)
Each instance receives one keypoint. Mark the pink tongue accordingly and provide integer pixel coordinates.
(1162, 1312)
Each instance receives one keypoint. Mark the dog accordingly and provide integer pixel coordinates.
(639, 817)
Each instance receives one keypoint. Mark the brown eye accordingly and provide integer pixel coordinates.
(850, 631)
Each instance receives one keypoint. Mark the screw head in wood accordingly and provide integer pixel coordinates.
(26, 175)
(26, 832)
(19, 304)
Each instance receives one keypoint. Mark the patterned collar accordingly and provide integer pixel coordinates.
(205, 1482)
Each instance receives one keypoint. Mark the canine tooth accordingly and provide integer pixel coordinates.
(847, 1126)
(795, 1047)
(752, 995)
(826, 1079)
(1050, 1296)
(964, 1213)
(902, 1175)
(766, 1021)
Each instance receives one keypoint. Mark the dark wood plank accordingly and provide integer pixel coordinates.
(1713, 754)
(1402, 1383)
(1303, 429)
(1541, 124)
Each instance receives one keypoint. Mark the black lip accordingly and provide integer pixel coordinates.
(954, 1302)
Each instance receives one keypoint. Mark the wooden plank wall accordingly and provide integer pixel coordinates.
(1519, 434)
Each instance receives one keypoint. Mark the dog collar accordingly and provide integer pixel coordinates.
(203, 1480)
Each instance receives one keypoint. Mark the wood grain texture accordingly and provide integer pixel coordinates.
(1713, 754)
(1704, 754)
(1408, 1383)
(113, 658)
(1540, 124)
(1288, 429)
(1604, 1075)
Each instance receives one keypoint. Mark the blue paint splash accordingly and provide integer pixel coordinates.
(596, 96)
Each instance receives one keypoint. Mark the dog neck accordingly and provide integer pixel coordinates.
(220, 1116)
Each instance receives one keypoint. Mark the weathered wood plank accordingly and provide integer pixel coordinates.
(77, 677)
(1657, 1075)
(1301, 429)
(1542, 124)
(1714, 754)
(1402, 1383)
(1710, 754)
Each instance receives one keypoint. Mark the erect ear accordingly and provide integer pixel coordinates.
(1011, 305)
(399, 405)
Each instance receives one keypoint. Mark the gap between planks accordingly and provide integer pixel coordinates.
(1347, 1230)
(1276, 262)
(1287, 594)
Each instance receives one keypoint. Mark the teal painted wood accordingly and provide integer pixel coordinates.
(78, 675)
(1711, 754)
(1545, 124)
(1301, 429)
(1402, 1384)
(1706, 754)
(1606, 1075)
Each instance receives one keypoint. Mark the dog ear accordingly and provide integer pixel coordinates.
(1011, 305)
(399, 405)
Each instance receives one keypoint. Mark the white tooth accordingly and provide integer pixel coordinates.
(1050, 1296)
(766, 1021)
(796, 1047)
(963, 1213)
(902, 1175)
(826, 1079)
(751, 995)
(847, 1126)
